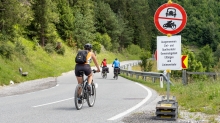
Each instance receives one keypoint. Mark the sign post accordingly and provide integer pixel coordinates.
(170, 19)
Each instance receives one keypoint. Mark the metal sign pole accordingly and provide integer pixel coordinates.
(168, 86)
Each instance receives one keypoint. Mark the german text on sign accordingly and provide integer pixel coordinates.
(169, 53)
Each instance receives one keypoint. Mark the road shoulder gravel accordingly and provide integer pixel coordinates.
(28, 86)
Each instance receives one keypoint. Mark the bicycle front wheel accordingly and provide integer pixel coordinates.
(91, 96)
(78, 97)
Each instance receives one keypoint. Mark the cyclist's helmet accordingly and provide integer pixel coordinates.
(116, 58)
(104, 59)
(88, 46)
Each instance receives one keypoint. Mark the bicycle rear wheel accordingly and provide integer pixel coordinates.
(105, 73)
(78, 97)
(116, 76)
(91, 96)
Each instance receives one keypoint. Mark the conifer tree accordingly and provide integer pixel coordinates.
(14, 12)
(84, 31)
(65, 26)
(45, 17)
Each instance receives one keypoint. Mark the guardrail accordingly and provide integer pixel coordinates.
(125, 70)
(186, 75)
(204, 73)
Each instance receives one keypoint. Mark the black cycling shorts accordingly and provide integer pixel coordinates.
(82, 67)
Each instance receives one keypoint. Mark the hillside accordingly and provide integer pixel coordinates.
(32, 30)
(40, 64)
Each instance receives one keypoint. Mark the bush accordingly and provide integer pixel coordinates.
(6, 51)
(134, 49)
(49, 48)
(20, 48)
(104, 39)
(61, 51)
(96, 47)
(146, 65)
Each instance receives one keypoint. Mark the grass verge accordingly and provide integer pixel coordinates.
(198, 96)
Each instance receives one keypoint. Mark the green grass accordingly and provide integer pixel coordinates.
(197, 96)
(40, 64)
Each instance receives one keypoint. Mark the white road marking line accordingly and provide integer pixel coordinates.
(96, 85)
(136, 106)
(53, 102)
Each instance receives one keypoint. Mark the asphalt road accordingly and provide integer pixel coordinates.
(52, 100)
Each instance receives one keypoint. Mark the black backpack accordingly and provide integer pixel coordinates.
(81, 56)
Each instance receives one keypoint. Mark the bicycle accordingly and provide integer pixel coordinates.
(82, 93)
(116, 73)
(104, 74)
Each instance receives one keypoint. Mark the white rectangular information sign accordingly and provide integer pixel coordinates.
(169, 53)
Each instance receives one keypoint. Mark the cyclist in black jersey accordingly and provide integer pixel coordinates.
(86, 67)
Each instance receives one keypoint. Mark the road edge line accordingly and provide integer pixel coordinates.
(136, 106)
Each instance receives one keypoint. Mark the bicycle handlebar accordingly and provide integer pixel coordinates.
(93, 70)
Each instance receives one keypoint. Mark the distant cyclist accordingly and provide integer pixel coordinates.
(116, 65)
(104, 65)
(86, 66)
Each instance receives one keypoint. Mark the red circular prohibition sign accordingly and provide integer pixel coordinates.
(180, 28)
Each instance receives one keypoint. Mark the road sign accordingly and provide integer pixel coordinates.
(170, 18)
(184, 61)
(169, 53)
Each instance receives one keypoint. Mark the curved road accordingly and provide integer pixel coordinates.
(115, 100)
